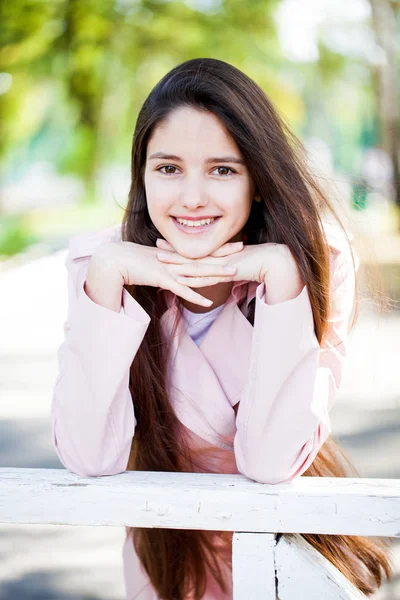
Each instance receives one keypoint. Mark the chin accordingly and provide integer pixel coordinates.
(194, 253)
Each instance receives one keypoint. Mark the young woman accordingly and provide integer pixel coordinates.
(208, 331)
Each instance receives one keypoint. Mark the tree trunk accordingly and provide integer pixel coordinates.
(384, 23)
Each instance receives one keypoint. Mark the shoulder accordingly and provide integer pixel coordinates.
(340, 245)
(336, 237)
(344, 264)
(84, 244)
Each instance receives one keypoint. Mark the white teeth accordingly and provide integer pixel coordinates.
(195, 223)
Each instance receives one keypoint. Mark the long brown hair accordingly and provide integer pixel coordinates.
(291, 213)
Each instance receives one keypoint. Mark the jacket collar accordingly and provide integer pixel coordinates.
(206, 381)
(240, 290)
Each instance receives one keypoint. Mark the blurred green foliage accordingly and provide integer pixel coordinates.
(81, 70)
(15, 235)
(74, 73)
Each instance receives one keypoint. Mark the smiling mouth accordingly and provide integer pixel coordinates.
(195, 226)
(196, 222)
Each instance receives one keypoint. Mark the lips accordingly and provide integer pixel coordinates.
(195, 229)
(196, 219)
(195, 222)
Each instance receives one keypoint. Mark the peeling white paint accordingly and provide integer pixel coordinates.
(254, 512)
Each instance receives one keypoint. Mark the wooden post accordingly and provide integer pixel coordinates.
(253, 566)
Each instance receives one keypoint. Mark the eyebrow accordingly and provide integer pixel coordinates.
(214, 159)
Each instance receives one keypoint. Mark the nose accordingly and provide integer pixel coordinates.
(193, 194)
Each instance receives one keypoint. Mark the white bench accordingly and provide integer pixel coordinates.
(254, 511)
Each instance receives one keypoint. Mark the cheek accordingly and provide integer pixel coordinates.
(159, 199)
(238, 204)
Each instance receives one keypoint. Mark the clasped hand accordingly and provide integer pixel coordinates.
(270, 263)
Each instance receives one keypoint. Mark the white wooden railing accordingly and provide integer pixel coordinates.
(367, 507)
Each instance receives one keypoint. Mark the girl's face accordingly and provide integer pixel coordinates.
(194, 171)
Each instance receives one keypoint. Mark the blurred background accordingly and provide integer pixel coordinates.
(73, 75)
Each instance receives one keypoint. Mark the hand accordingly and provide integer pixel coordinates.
(270, 263)
(136, 264)
(251, 262)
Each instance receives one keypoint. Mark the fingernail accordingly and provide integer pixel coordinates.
(161, 255)
(230, 269)
(237, 244)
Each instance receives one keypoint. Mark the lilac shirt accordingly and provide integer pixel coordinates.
(198, 324)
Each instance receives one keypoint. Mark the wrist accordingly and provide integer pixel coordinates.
(104, 284)
(282, 282)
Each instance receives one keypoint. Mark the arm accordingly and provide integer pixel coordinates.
(282, 419)
(92, 414)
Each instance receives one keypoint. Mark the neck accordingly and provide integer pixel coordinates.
(218, 293)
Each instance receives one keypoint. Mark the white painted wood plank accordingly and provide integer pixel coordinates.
(201, 501)
(253, 567)
(303, 572)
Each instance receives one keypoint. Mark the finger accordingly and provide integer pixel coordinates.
(203, 281)
(187, 294)
(197, 269)
(228, 249)
(160, 243)
(172, 258)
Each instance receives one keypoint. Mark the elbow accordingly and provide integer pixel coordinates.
(265, 475)
(268, 467)
(258, 465)
(86, 468)
(88, 462)
(258, 469)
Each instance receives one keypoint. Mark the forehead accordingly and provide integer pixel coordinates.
(188, 128)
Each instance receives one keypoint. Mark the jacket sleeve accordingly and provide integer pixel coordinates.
(92, 413)
(283, 416)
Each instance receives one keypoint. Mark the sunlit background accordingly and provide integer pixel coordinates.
(73, 75)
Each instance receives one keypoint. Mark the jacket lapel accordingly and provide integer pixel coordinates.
(227, 346)
(206, 381)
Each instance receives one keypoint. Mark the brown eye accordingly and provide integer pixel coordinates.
(224, 170)
(168, 172)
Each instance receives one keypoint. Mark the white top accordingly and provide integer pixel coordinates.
(197, 324)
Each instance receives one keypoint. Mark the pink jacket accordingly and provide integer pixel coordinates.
(281, 380)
